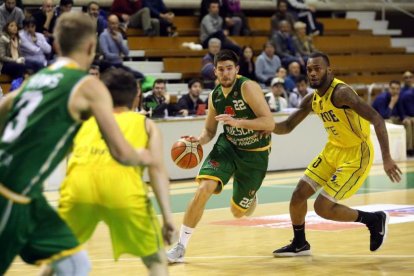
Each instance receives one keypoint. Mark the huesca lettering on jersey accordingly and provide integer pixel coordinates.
(44, 81)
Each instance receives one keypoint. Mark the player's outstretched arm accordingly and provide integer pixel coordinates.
(159, 180)
(91, 97)
(253, 95)
(345, 96)
(296, 117)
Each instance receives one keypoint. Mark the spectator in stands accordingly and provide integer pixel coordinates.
(33, 45)
(113, 47)
(408, 79)
(234, 19)
(390, 105)
(93, 10)
(212, 26)
(158, 103)
(94, 70)
(11, 60)
(281, 14)
(267, 64)
(306, 13)
(293, 74)
(64, 6)
(207, 69)
(276, 98)
(191, 104)
(45, 20)
(284, 45)
(303, 43)
(246, 63)
(135, 15)
(165, 16)
(9, 12)
(16, 83)
(300, 91)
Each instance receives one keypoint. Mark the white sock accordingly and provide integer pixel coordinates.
(185, 235)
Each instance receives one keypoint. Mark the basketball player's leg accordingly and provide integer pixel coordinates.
(156, 264)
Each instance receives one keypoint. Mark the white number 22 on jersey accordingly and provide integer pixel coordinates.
(27, 104)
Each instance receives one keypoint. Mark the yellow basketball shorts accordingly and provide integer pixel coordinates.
(111, 196)
(341, 171)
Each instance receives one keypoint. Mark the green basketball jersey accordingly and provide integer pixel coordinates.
(234, 105)
(39, 129)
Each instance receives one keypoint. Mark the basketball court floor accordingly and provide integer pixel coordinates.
(222, 245)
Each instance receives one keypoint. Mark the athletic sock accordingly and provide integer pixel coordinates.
(185, 235)
(366, 217)
(299, 234)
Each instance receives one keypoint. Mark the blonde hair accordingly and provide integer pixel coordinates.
(72, 29)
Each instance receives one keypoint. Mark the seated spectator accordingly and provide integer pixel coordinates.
(189, 103)
(246, 63)
(390, 105)
(165, 16)
(158, 103)
(94, 70)
(16, 83)
(9, 12)
(212, 26)
(207, 69)
(33, 45)
(234, 18)
(302, 42)
(281, 14)
(45, 20)
(407, 81)
(11, 60)
(93, 10)
(113, 47)
(293, 74)
(306, 13)
(284, 45)
(135, 15)
(64, 6)
(275, 98)
(267, 64)
(299, 92)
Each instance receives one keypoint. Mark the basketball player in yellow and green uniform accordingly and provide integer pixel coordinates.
(343, 165)
(38, 124)
(239, 151)
(97, 188)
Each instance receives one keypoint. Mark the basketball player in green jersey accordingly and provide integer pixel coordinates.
(343, 165)
(239, 151)
(39, 122)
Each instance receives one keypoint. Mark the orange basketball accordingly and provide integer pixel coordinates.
(186, 154)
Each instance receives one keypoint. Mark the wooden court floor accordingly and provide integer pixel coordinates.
(222, 245)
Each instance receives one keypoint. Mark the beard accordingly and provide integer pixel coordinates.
(228, 82)
(321, 82)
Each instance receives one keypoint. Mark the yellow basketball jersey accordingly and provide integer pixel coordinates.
(91, 151)
(344, 126)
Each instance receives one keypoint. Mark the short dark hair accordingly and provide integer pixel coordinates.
(213, 2)
(394, 82)
(224, 55)
(192, 81)
(122, 86)
(301, 78)
(29, 21)
(321, 55)
(159, 81)
(65, 2)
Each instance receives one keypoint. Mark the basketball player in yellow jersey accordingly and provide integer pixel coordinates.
(97, 188)
(343, 165)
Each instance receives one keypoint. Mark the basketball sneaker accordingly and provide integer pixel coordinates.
(252, 207)
(292, 250)
(176, 254)
(378, 230)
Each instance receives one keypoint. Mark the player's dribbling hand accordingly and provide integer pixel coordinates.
(392, 170)
(145, 157)
(190, 138)
(169, 232)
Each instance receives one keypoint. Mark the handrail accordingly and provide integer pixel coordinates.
(396, 7)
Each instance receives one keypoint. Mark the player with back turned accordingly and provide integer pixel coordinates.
(344, 164)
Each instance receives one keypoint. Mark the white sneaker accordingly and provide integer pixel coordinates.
(176, 254)
(252, 207)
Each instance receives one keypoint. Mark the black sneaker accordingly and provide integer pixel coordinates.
(378, 231)
(292, 250)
